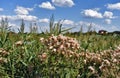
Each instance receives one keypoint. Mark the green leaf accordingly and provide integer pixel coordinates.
(31, 57)
(67, 29)
(68, 75)
(23, 63)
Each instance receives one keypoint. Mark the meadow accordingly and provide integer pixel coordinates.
(57, 54)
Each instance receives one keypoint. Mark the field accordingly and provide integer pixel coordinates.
(57, 55)
(39, 55)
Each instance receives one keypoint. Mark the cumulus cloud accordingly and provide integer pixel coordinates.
(1, 9)
(13, 25)
(115, 6)
(8, 17)
(47, 5)
(45, 20)
(85, 26)
(114, 28)
(96, 9)
(27, 17)
(108, 14)
(63, 3)
(83, 23)
(92, 13)
(19, 17)
(68, 22)
(107, 21)
(22, 11)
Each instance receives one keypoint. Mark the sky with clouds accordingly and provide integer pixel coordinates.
(100, 14)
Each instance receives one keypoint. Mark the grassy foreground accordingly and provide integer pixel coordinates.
(59, 56)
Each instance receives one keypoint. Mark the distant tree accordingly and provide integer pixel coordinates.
(102, 32)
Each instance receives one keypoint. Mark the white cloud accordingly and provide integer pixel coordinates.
(1, 9)
(8, 17)
(84, 23)
(63, 3)
(92, 13)
(19, 17)
(114, 6)
(68, 22)
(22, 11)
(45, 20)
(107, 21)
(96, 9)
(108, 14)
(112, 28)
(47, 5)
(27, 17)
(13, 25)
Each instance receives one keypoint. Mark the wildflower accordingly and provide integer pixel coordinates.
(3, 60)
(96, 59)
(107, 62)
(51, 47)
(54, 50)
(63, 52)
(78, 76)
(85, 61)
(41, 39)
(77, 46)
(58, 43)
(3, 52)
(61, 37)
(91, 69)
(54, 38)
(114, 60)
(102, 67)
(61, 47)
(76, 54)
(44, 55)
(67, 45)
(19, 43)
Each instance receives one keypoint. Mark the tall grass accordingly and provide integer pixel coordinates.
(56, 28)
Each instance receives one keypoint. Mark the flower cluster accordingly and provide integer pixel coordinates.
(43, 56)
(19, 43)
(105, 62)
(102, 64)
(62, 45)
(3, 54)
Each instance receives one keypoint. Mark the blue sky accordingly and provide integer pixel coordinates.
(101, 14)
